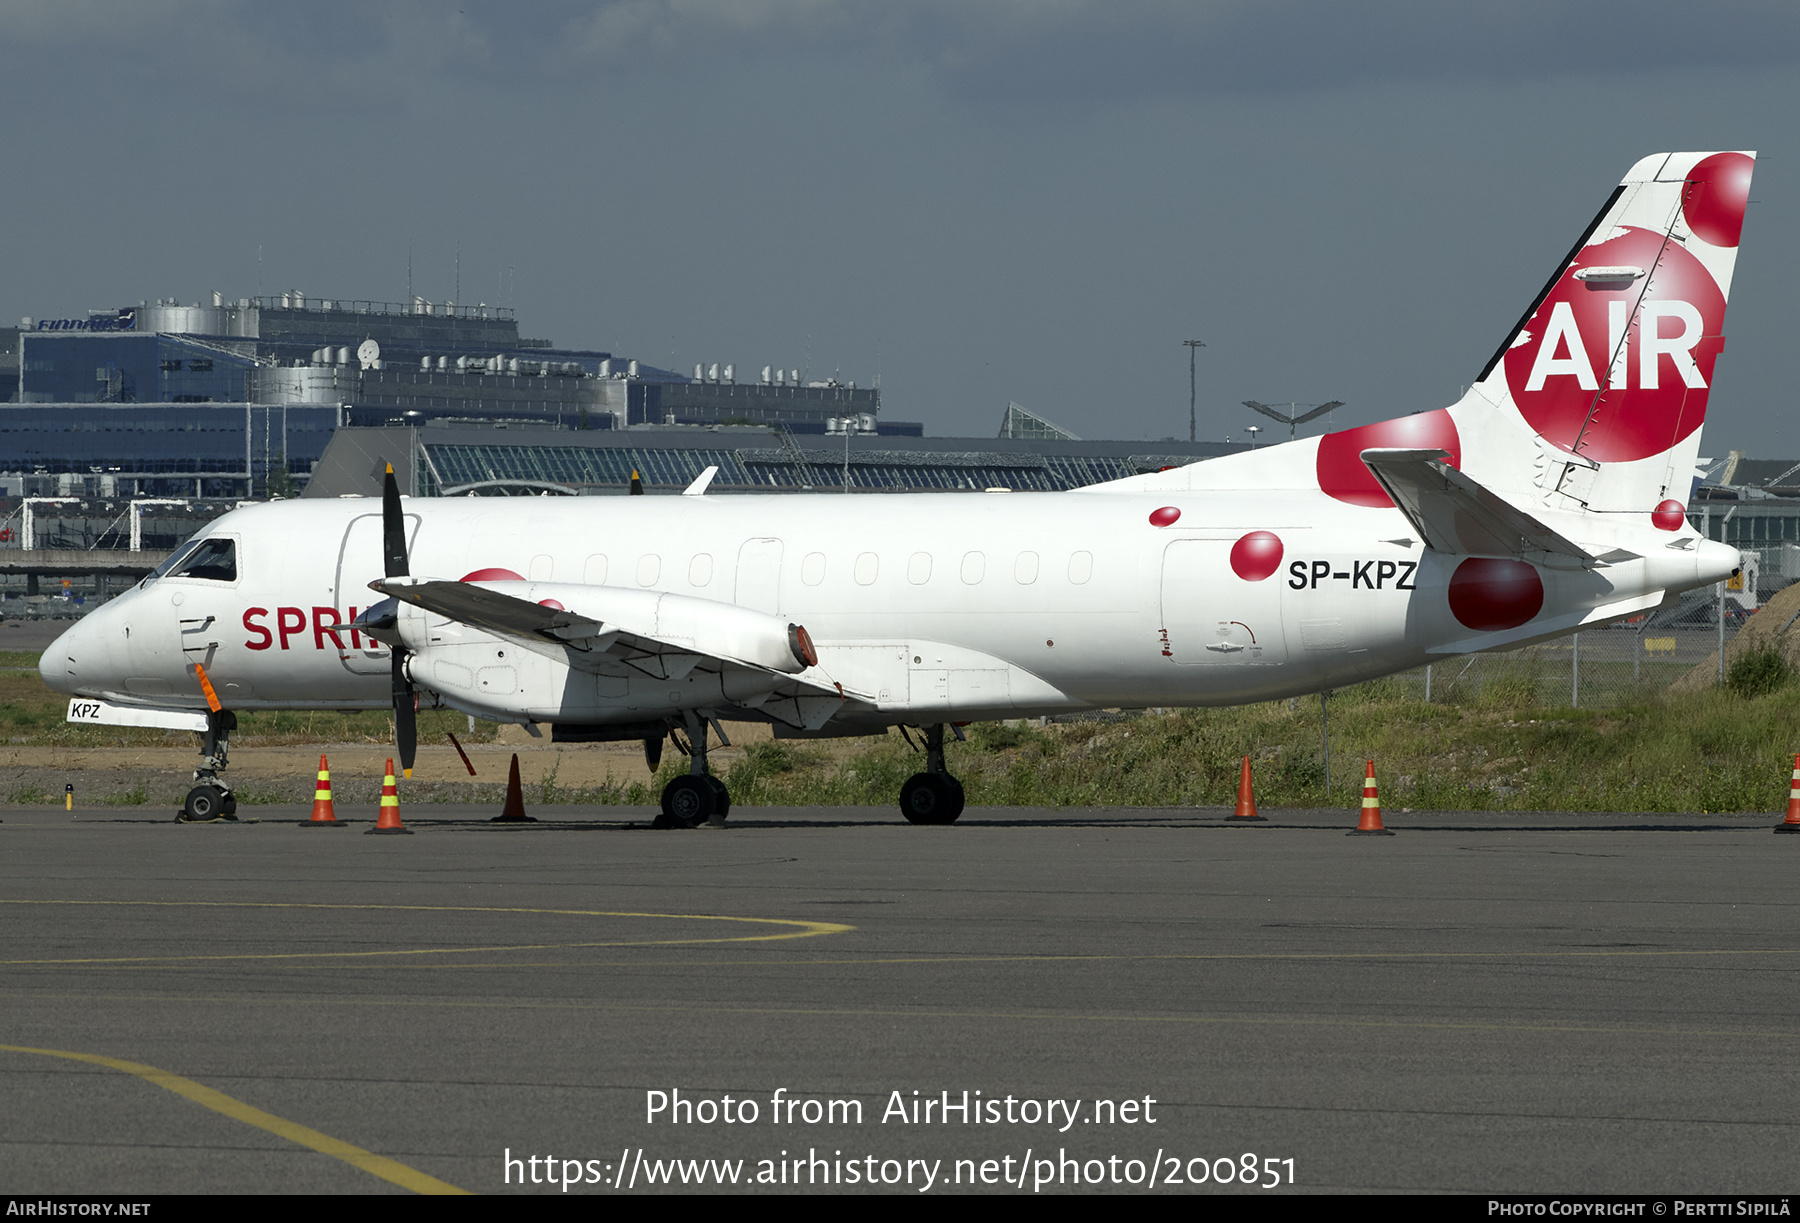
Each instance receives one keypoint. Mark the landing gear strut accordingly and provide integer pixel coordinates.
(211, 799)
(699, 797)
(932, 797)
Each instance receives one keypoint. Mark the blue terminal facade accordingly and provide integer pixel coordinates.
(67, 367)
(159, 449)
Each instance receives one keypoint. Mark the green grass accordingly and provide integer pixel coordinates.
(1716, 752)
(1505, 745)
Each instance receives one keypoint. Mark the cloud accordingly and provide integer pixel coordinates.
(1026, 52)
(1062, 50)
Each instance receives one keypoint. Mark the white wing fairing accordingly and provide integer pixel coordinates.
(1550, 497)
(620, 652)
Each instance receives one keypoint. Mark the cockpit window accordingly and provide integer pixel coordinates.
(175, 558)
(212, 560)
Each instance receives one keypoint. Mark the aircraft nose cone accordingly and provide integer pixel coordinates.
(53, 666)
(83, 656)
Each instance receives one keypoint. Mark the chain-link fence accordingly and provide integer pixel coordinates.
(1597, 668)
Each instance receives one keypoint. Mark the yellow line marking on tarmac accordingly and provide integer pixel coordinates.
(387, 1169)
(805, 929)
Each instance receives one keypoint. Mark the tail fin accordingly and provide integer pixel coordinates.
(1596, 399)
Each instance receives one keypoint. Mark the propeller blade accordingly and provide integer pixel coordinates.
(406, 717)
(393, 528)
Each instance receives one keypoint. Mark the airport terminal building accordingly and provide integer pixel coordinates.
(128, 429)
(216, 400)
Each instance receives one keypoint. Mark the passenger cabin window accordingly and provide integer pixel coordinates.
(212, 560)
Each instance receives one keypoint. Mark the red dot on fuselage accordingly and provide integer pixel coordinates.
(1669, 516)
(1489, 594)
(551, 603)
(1164, 517)
(1342, 473)
(1256, 555)
(492, 575)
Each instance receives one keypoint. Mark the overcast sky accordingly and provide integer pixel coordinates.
(973, 200)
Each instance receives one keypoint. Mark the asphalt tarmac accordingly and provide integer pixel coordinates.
(1480, 1003)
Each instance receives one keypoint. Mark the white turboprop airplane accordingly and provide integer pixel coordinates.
(1551, 497)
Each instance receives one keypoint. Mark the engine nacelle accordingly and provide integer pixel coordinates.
(706, 626)
(483, 673)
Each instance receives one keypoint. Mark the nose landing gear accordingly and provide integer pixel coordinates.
(932, 797)
(211, 799)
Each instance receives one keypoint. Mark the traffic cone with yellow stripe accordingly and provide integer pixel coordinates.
(1792, 822)
(324, 814)
(389, 820)
(1370, 824)
(1246, 801)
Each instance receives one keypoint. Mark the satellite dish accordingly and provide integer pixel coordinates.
(369, 353)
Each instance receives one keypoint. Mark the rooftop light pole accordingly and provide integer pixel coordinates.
(1191, 346)
(1293, 417)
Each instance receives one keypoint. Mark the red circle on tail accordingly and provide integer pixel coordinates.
(1488, 594)
(1669, 516)
(1718, 189)
(1561, 372)
(1256, 555)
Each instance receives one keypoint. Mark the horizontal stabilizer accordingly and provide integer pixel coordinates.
(1453, 514)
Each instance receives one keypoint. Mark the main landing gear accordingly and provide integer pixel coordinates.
(699, 797)
(932, 797)
(211, 799)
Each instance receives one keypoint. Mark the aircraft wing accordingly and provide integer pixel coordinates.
(607, 648)
(1454, 514)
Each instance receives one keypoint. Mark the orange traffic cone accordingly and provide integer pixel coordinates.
(1792, 822)
(324, 814)
(514, 811)
(1370, 824)
(1246, 804)
(389, 820)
